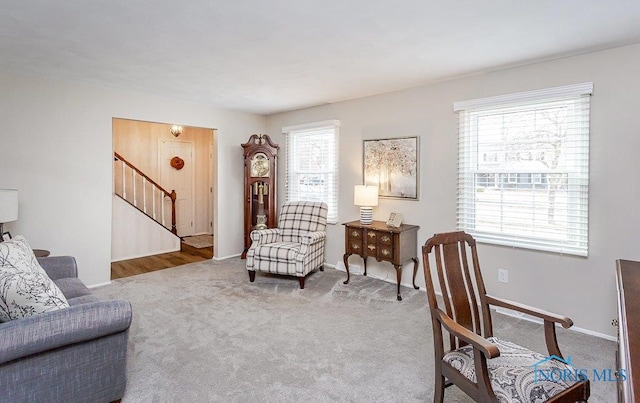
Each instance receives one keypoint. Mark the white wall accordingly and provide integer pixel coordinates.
(133, 234)
(581, 288)
(56, 148)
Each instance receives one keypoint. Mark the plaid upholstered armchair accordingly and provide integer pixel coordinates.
(296, 247)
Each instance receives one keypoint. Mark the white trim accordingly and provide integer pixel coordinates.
(98, 285)
(527, 96)
(226, 257)
(332, 266)
(314, 125)
(513, 314)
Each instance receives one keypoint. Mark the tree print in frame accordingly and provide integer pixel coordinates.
(392, 165)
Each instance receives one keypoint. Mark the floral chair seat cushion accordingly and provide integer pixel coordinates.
(518, 374)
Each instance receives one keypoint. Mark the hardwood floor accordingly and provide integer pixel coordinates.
(131, 267)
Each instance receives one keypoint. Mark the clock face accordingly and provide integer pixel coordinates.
(260, 166)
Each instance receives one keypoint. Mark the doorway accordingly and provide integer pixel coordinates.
(150, 147)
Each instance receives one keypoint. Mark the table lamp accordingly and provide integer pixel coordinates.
(366, 197)
(8, 206)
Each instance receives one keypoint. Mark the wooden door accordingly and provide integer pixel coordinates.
(180, 180)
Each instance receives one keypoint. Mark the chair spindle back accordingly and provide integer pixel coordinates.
(460, 280)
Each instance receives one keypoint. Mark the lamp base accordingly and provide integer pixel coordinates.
(366, 215)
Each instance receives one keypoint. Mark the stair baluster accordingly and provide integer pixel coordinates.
(162, 193)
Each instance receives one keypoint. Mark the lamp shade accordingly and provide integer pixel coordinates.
(8, 205)
(365, 195)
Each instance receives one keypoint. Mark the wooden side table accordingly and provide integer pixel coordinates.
(394, 245)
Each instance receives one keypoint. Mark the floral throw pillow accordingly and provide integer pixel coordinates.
(25, 288)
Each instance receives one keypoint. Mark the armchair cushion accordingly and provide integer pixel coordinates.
(299, 218)
(518, 374)
(25, 288)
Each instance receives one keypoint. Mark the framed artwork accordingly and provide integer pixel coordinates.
(392, 165)
(394, 220)
(6, 236)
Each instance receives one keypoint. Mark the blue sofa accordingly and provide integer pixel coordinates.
(76, 354)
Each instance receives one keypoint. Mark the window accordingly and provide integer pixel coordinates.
(312, 164)
(540, 200)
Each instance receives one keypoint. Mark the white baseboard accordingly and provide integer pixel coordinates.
(98, 285)
(226, 257)
(514, 314)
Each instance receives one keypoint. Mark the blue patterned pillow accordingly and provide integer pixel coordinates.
(25, 288)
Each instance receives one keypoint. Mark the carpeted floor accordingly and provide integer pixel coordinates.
(202, 332)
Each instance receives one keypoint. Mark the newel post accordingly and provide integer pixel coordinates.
(173, 212)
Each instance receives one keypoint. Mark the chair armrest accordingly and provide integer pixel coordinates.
(59, 266)
(550, 319)
(538, 313)
(50, 330)
(312, 237)
(261, 236)
(487, 348)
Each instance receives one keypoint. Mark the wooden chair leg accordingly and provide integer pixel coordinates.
(301, 280)
(438, 392)
(252, 275)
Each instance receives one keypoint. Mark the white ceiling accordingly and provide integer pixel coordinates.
(267, 56)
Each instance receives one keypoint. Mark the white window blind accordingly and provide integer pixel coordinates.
(523, 169)
(312, 164)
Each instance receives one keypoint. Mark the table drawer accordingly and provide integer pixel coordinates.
(354, 234)
(385, 238)
(385, 252)
(354, 246)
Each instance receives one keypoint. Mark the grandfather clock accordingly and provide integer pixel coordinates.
(260, 167)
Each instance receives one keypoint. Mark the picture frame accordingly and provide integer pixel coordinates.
(394, 220)
(392, 165)
(6, 236)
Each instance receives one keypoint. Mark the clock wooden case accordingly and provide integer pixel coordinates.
(260, 192)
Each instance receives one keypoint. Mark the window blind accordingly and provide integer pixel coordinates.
(523, 169)
(312, 164)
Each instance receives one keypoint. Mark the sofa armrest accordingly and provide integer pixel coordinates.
(262, 236)
(47, 331)
(313, 237)
(59, 266)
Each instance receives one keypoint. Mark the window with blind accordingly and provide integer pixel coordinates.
(312, 164)
(523, 169)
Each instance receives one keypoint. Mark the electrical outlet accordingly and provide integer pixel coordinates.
(503, 275)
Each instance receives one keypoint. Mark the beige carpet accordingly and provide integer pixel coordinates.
(203, 333)
(199, 241)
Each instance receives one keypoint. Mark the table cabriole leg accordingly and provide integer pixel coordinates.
(399, 277)
(345, 258)
(415, 271)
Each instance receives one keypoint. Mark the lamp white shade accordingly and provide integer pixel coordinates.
(365, 195)
(8, 205)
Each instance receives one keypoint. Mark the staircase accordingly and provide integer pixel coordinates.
(137, 189)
